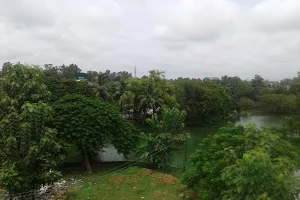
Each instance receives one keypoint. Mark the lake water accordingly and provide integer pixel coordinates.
(199, 133)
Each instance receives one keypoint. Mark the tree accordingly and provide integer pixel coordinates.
(295, 87)
(100, 85)
(5, 67)
(78, 87)
(277, 103)
(244, 163)
(30, 152)
(119, 76)
(257, 82)
(90, 124)
(52, 71)
(69, 72)
(124, 97)
(55, 86)
(149, 101)
(236, 87)
(206, 103)
(168, 132)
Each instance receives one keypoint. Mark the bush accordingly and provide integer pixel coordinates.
(244, 163)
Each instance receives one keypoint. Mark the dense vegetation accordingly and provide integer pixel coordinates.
(244, 163)
(90, 124)
(167, 134)
(44, 111)
(30, 151)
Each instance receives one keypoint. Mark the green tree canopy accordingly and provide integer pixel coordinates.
(91, 124)
(30, 152)
(206, 103)
(244, 163)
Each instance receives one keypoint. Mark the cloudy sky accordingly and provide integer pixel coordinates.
(188, 38)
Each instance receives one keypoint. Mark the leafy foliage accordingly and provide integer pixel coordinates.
(167, 133)
(236, 87)
(244, 163)
(291, 129)
(78, 87)
(206, 103)
(91, 124)
(170, 120)
(101, 87)
(246, 104)
(124, 97)
(277, 103)
(150, 100)
(30, 152)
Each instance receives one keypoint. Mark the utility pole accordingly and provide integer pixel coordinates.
(134, 71)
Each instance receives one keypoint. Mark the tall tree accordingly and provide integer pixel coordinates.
(149, 101)
(124, 96)
(206, 103)
(101, 86)
(30, 152)
(236, 87)
(257, 82)
(91, 124)
(69, 72)
(52, 71)
(5, 67)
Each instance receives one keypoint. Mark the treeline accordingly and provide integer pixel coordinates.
(206, 103)
(281, 97)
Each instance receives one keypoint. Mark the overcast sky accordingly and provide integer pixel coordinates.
(187, 38)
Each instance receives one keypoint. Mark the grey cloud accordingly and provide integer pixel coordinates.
(198, 20)
(193, 38)
(277, 15)
(26, 14)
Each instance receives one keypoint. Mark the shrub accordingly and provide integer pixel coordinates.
(244, 163)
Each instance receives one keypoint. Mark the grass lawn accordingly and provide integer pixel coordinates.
(129, 184)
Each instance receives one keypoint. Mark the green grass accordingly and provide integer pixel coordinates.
(130, 184)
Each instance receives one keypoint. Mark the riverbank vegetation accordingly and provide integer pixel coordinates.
(244, 163)
(44, 111)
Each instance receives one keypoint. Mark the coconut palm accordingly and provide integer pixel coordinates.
(123, 96)
(150, 100)
(101, 86)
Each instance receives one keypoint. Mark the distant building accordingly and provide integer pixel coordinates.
(211, 79)
(80, 78)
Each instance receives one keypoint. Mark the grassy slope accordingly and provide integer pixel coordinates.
(130, 184)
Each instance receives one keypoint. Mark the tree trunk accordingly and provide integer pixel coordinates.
(86, 161)
(185, 156)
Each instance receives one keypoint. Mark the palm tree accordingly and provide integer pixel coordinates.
(124, 96)
(149, 101)
(101, 86)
